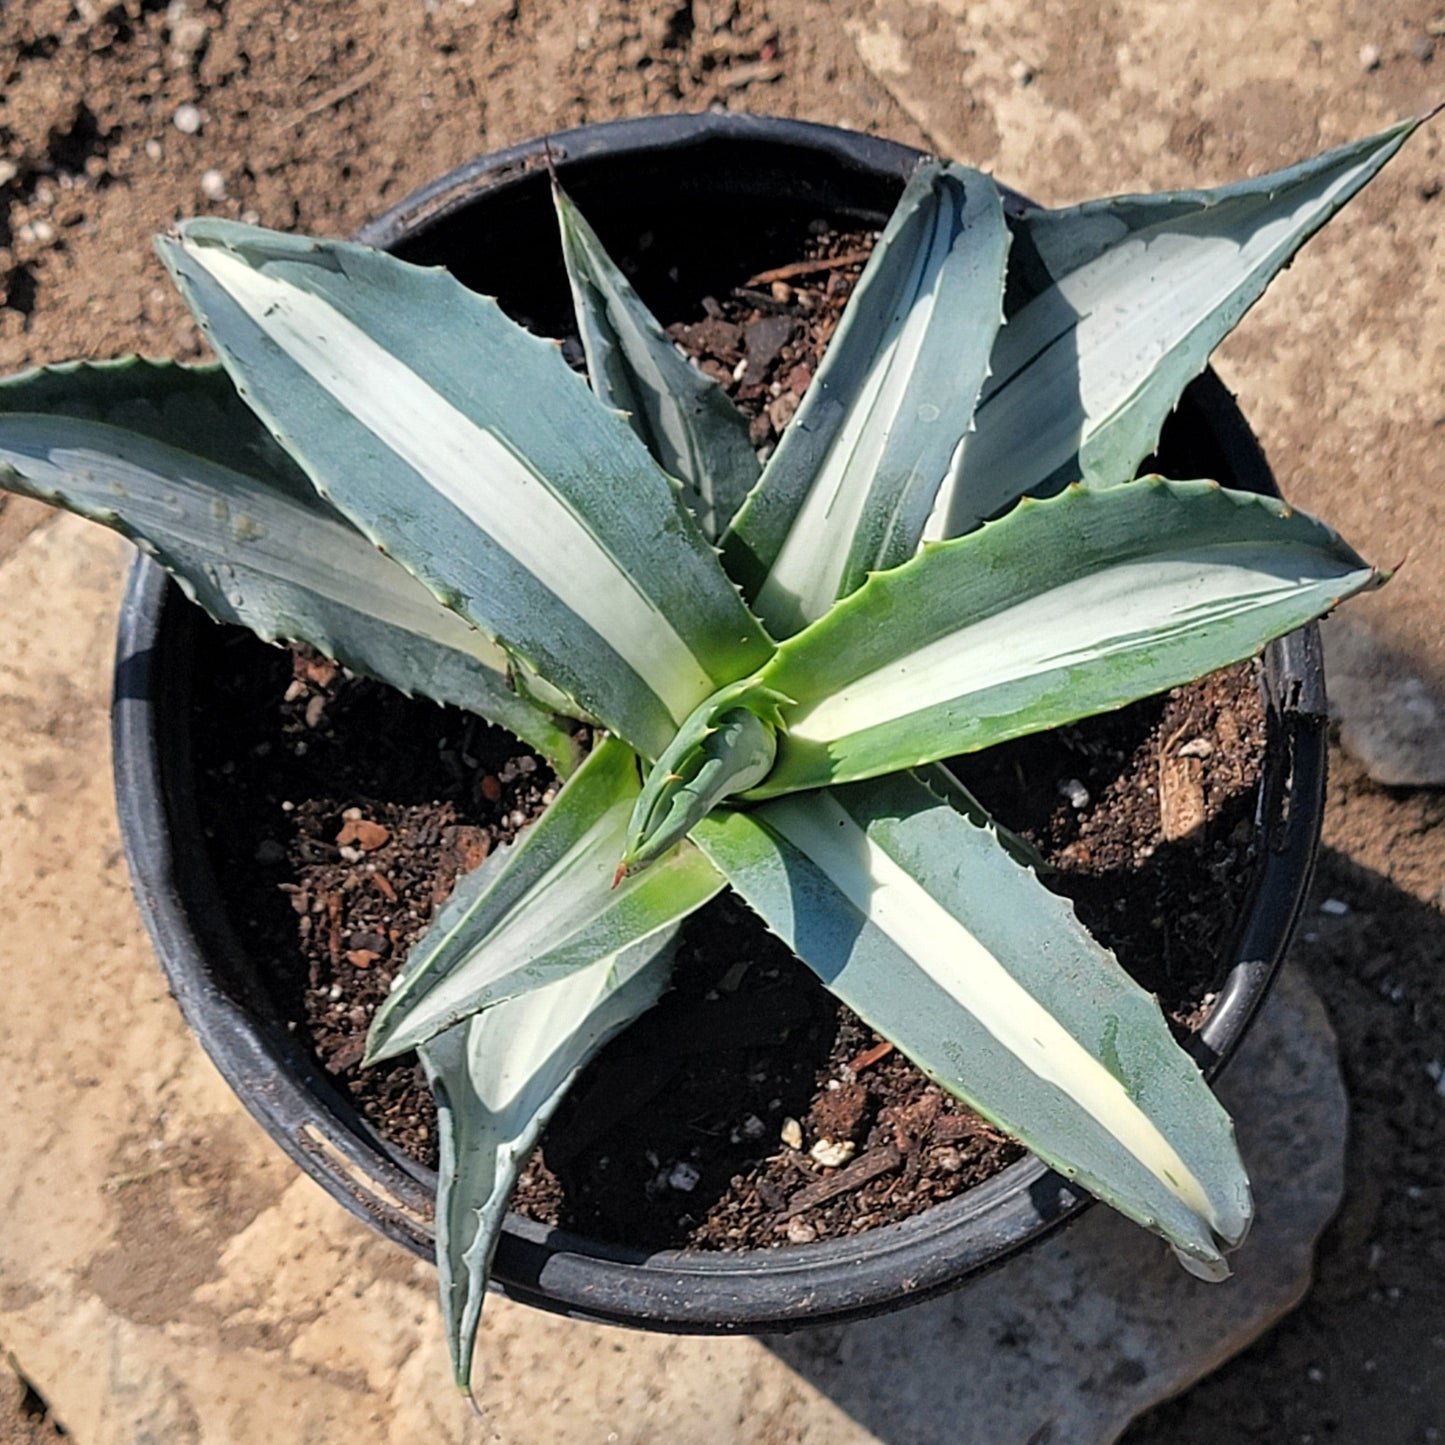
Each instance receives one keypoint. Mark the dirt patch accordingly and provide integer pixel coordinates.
(19, 517)
(191, 1191)
(25, 1417)
(117, 118)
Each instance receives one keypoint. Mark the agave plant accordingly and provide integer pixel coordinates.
(947, 549)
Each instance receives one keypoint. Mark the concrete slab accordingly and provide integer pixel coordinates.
(166, 1275)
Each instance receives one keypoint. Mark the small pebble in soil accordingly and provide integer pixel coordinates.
(1335, 907)
(187, 119)
(213, 185)
(1369, 57)
(831, 1153)
(1076, 793)
(683, 1176)
(800, 1233)
(188, 35)
(791, 1134)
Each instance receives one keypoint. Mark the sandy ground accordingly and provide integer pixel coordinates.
(116, 119)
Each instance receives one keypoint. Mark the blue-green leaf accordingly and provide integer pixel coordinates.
(542, 908)
(480, 462)
(1122, 302)
(170, 457)
(927, 929)
(686, 419)
(498, 1079)
(1062, 609)
(855, 475)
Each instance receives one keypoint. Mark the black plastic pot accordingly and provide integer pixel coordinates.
(689, 189)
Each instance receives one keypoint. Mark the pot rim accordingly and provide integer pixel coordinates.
(791, 1286)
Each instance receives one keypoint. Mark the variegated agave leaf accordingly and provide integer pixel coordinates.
(547, 525)
(170, 457)
(1062, 609)
(1120, 303)
(497, 1080)
(856, 472)
(923, 925)
(542, 909)
(683, 416)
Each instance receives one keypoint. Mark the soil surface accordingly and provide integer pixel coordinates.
(748, 1109)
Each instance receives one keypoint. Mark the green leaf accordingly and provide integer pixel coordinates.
(683, 416)
(726, 747)
(1062, 609)
(924, 926)
(948, 788)
(854, 478)
(1127, 298)
(545, 907)
(498, 1078)
(467, 449)
(170, 457)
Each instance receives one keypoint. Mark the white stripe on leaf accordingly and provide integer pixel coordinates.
(471, 467)
(894, 902)
(1146, 603)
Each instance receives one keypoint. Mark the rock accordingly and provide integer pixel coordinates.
(781, 410)
(831, 1153)
(188, 37)
(187, 119)
(1391, 718)
(764, 339)
(364, 834)
(683, 1177)
(213, 185)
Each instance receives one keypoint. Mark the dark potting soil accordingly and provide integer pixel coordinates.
(748, 1109)
(340, 813)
